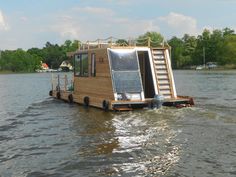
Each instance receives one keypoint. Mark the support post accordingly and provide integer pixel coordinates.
(58, 82)
(66, 82)
(52, 80)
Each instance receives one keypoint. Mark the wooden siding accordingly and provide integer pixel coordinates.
(97, 88)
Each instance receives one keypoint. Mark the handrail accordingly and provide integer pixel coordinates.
(112, 41)
(61, 83)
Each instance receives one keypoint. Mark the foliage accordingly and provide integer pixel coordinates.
(156, 39)
(229, 48)
(177, 48)
(19, 61)
(30, 60)
(217, 46)
(122, 42)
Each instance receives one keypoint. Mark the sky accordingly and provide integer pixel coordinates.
(31, 23)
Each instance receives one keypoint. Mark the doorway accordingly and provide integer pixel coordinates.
(146, 74)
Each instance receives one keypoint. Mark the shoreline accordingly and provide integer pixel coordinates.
(11, 72)
(221, 68)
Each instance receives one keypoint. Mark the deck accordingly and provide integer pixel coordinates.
(128, 105)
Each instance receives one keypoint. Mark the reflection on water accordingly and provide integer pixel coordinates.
(148, 143)
(40, 136)
(127, 143)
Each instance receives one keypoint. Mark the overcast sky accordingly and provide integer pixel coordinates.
(31, 23)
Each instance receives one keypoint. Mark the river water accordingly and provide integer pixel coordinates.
(42, 136)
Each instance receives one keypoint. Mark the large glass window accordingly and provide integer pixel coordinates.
(125, 71)
(123, 60)
(81, 65)
(127, 82)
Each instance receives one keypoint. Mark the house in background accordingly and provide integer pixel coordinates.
(66, 66)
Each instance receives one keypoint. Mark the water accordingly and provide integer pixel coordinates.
(41, 136)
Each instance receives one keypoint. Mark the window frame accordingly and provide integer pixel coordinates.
(80, 64)
(93, 65)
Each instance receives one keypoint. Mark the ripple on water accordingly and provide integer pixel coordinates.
(11, 125)
(43, 174)
(51, 138)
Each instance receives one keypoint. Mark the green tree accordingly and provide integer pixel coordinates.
(36, 51)
(70, 46)
(177, 48)
(53, 55)
(122, 42)
(202, 48)
(156, 39)
(190, 44)
(228, 31)
(229, 48)
(215, 46)
(19, 61)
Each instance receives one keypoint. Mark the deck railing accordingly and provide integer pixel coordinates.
(62, 82)
(112, 41)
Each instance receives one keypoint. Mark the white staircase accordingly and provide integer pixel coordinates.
(163, 73)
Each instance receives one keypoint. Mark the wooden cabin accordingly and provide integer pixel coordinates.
(120, 78)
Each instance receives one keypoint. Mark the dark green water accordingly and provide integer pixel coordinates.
(41, 137)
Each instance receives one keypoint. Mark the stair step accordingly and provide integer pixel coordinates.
(163, 81)
(158, 57)
(161, 72)
(167, 96)
(158, 52)
(165, 92)
(160, 67)
(163, 87)
(164, 84)
(159, 61)
(162, 64)
(162, 77)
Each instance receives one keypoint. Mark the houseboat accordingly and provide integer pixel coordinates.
(115, 77)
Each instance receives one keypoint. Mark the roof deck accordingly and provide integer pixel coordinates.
(113, 42)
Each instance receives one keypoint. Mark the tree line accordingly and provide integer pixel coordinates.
(30, 60)
(217, 46)
(214, 46)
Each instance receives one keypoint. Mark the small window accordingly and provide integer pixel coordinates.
(93, 65)
(84, 64)
(81, 65)
(77, 66)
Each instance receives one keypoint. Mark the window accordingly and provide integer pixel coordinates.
(93, 65)
(123, 60)
(84, 64)
(125, 71)
(81, 65)
(77, 66)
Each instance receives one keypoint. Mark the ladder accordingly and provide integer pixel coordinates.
(163, 73)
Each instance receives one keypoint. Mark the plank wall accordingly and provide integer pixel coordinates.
(97, 88)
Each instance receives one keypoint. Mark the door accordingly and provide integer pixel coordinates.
(146, 74)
